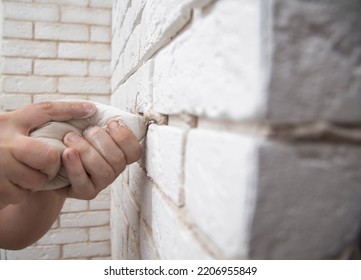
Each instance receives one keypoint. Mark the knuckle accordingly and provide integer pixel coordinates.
(52, 156)
(45, 106)
(108, 175)
(90, 194)
(120, 163)
(38, 182)
(117, 157)
(122, 167)
(104, 178)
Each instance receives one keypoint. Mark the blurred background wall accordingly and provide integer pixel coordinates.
(54, 49)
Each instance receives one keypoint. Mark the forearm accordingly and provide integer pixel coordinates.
(23, 224)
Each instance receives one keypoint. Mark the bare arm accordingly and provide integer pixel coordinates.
(24, 223)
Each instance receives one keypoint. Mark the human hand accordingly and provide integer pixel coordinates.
(94, 160)
(27, 164)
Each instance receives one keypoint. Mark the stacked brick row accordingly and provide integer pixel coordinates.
(254, 152)
(81, 232)
(54, 49)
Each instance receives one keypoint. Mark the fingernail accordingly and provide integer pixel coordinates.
(89, 109)
(72, 156)
(113, 125)
(73, 137)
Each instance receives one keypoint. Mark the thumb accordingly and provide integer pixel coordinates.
(37, 114)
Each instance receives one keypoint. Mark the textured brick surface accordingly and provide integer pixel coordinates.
(51, 252)
(60, 67)
(84, 219)
(61, 32)
(309, 200)
(84, 51)
(17, 66)
(20, 48)
(30, 11)
(201, 87)
(172, 239)
(165, 157)
(229, 85)
(316, 58)
(221, 169)
(136, 93)
(84, 250)
(17, 29)
(232, 84)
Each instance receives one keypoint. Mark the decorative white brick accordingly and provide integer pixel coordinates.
(132, 51)
(119, 227)
(100, 34)
(200, 74)
(11, 102)
(118, 13)
(17, 29)
(138, 177)
(172, 239)
(61, 31)
(71, 204)
(99, 233)
(84, 219)
(30, 11)
(130, 209)
(86, 250)
(84, 51)
(136, 93)
(99, 69)
(165, 148)
(21, 48)
(29, 84)
(308, 201)
(17, 66)
(56, 97)
(133, 252)
(85, 15)
(65, 2)
(221, 170)
(146, 187)
(53, 67)
(84, 85)
(163, 19)
(101, 3)
(323, 76)
(51, 252)
(64, 236)
(105, 99)
(18, 0)
(136, 9)
(147, 247)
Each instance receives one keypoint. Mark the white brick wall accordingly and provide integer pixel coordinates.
(53, 50)
(239, 166)
(255, 146)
